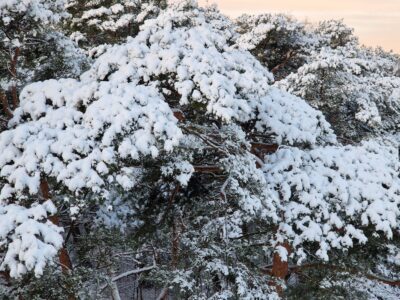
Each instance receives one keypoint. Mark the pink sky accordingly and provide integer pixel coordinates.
(376, 22)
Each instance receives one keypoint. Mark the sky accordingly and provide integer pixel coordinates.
(376, 22)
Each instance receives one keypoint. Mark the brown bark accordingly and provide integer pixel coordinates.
(267, 148)
(6, 107)
(280, 268)
(179, 115)
(208, 169)
(63, 256)
(260, 149)
(14, 95)
(174, 246)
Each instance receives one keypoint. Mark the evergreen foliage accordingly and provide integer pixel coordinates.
(152, 150)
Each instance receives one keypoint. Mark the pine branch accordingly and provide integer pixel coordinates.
(132, 272)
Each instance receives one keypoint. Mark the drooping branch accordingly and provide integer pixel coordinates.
(112, 284)
(258, 149)
(299, 269)
(354, 271)
(132, 272)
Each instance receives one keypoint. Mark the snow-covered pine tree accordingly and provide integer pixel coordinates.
(283, 44)
(362, 101)
(32, 49)
(280, 42)
(168, 139)
(334, 34)
(92, 144)
(355, 87)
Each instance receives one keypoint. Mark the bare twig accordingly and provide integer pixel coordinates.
(132, 272)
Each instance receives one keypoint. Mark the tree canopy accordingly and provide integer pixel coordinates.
(194, 156)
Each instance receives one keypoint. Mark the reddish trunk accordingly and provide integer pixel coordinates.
(179, 115)
(14, 95)
(6, 107)
(208, 169)
(63, 256)
(280, 268)
(174, 241)
(175, 233)
(261, 149)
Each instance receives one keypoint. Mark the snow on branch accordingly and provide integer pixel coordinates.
(30, 240)
(132, 272)
(330, 195)
(75, 130)
(40, 10)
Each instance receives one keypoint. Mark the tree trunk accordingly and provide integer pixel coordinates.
(63, 255)
(280, 268)
(114, 291)
(174, 242)
(6, 107)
